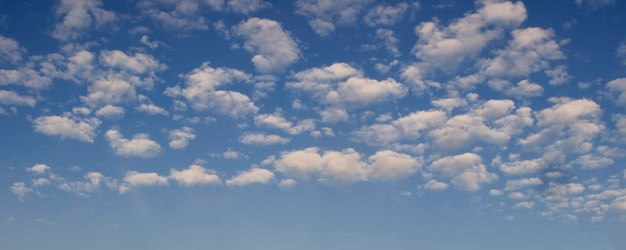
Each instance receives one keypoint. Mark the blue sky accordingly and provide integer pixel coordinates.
(312, 124)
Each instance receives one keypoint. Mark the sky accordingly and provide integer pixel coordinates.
(312, 124)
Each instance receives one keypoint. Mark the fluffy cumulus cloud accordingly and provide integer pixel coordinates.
(77, 17)
(67, 127)
(342, 85)
(110, 112)
(325, 15)
(151, 109)
(195, 175)
(185, 15)
(386, 15)
(331, 166)
(20, 190)
(38, 169)
(390, 165)
(465, 38)
(277, 121)
(10, 50)
(273, 47)
(201, 91)
(254, 175)
(13, 98)
(139, 146)
(179, 138)
(260, 139)
(134, 179)
(466, 171)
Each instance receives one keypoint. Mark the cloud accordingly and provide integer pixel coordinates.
(254, 175)
(93, 183)
(522, 183)
(261, 139)
(38, 169)
(179, 138)
(346, 166)
(109, 92)
(110, 112)
(151, 109)
(287, 183)
(20, 190)
(530, 50)
(385, 14)
(324, 15)
(139, 63)
(391, 42)
(277, 121)
(342, 85)
(77, 17)
(194, 175)
(10, 50)
(388, 165)
(617, 90)
(407, 127)
(247, 6)
(139, 146)
(135, 179)
(274, 48)
(466, 170)
(12, 98)
(201, 91)
(446, 47)
(184, 15)
(67, 128)
(436, 185)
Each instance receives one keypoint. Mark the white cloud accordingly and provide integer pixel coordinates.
(38, 169)
(466, 170)
(183, 15)
(342, 85)
(10, 50)
(436, 185)
(247, 6)
(522, 183)
(201, 91)
(529, 51)
(138, 63)
(390, 41)
(93, 183)
(137, 179)
(619, 203)
(262, 139)
(524, 204)
(109, 92)
(523, 167)
(324, 15)
(558, 75)
(13, 98)
(194, 175)
(151, 109)
(495, 192)
(617, 89)
(408, 127)
(179, 138)
(446, 47)
(110, 112)
(25, 76)
(67, 128)
(287, 183)
(389, 165)
(274, 48)
(78, 16)
(334, 115)
(20, 190)
(385, 14)
(277, 121)
(139, 146)
(523, 89)
(254, 175)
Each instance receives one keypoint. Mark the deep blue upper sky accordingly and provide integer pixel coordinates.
(312, 124)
